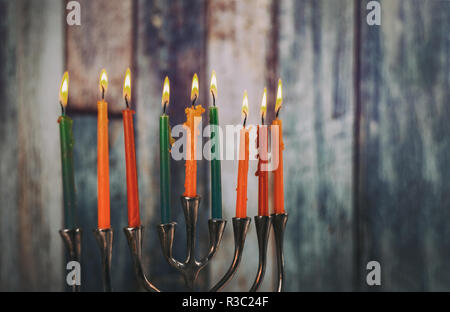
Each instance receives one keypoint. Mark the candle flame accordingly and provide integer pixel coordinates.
(213, 87)
(64, 90)
(127, 86)
(166, 93)
(279, 96)
(264, 104)
(194, 91)
(245, 105)
(103, 81)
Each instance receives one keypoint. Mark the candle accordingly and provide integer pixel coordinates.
(241, 199)
(278, 172)
(192, 120)
(216, 183)
(130, 156)
(103, 157)
(66, 137)
(262, 173)
(164, 155)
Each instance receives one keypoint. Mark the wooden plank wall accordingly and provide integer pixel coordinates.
(316, 63)
(32, 63)
(405, 143)
(365, 129)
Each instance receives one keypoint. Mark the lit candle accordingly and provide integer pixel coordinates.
(103, 157)
(164, 154)
(278, 172)
(262, 173)
(241, 199)
(193, 115)
(66, 137)
(130, 156)
(216, 183)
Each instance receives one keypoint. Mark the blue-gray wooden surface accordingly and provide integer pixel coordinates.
(365, 127)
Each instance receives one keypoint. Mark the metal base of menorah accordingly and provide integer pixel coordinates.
(72, 241)
(104, 239)
(191, 267)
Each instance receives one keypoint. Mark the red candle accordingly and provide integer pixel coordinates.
(193, 115)
(262, 172)
(130, 157)
(241, 198)
(278, 157)
(103, 158)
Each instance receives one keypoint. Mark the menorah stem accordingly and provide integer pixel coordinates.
(240, 228)
(262, 224)
(190, 268)
(135, 239)
(279, 225)
(72, 241)
(104, 239)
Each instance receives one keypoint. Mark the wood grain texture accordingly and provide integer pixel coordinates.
(170, 40)
(405, 145)
(31, 213)
(237, 49)
(316, 64)
(103, 40)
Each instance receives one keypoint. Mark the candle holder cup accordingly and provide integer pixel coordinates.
(191, 267)
(263, 225)
(104, 239)
(279, 225)
(72, 242)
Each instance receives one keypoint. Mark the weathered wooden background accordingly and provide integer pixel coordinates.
(365, 126)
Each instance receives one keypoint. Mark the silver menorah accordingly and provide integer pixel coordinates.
(190, 267)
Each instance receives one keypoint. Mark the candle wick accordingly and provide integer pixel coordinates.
(126, 101)
(103, 93)
(63, 109)
(262, 119)
(164, 107)
(195, 99)
(278, 112)
(214, 98)
(245, 119)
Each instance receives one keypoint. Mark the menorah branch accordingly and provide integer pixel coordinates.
(104, 239)
(134, 238)
(240, 228)
(72, 241)
(279, 225)
(263, 225)
(190, 267)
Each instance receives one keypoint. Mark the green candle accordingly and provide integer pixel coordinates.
(164, 154)
(66, 137)
(216, 183)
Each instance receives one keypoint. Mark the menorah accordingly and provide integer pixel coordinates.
(190, 267)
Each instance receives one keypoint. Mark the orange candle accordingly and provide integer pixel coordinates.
(103, 157)
(278, 172)
(262, 173)
(192, 121)
(130, 157)
(241, 199)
